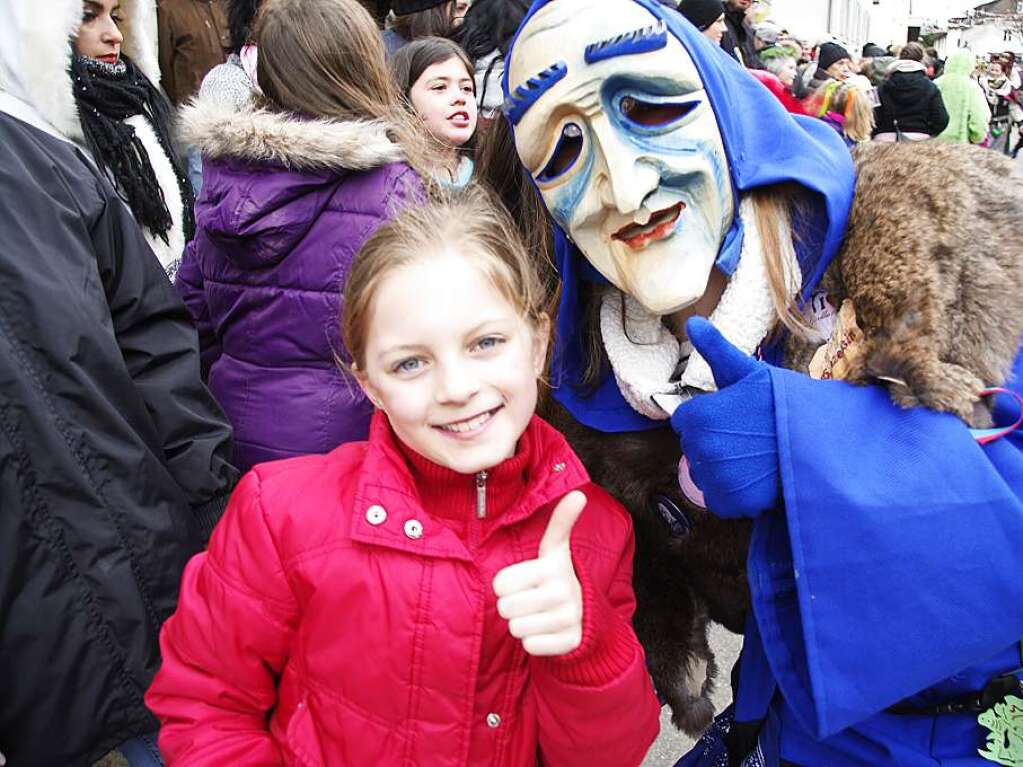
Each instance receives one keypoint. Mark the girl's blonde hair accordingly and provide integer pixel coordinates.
(849, 99)
(326, 58)
(469, 221)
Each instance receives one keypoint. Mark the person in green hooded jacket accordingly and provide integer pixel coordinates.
(968, 111)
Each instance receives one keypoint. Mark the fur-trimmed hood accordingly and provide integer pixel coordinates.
(260, 136)
(35, 53)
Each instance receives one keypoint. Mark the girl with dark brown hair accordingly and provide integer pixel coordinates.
(436, 79)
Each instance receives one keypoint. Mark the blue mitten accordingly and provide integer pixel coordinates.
(729, 437)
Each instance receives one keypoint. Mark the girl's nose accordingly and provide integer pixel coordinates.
(456, 383)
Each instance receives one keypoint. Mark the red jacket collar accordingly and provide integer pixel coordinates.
(409, 491)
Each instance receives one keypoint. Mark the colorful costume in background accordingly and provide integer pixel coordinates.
(882, 570)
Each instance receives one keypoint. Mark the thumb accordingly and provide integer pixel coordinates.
(559, 528)
(728, 363)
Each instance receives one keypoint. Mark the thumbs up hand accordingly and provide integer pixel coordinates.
(729, 437)
(541, 598)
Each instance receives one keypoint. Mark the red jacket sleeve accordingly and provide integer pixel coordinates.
(597, 704)
(225, 646)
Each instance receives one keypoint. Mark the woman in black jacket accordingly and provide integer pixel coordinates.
(113, 456)
(911, 105)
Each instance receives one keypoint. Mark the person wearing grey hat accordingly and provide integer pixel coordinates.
(708, 16)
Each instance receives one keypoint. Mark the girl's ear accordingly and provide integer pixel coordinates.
(541, 340)
(367, 388)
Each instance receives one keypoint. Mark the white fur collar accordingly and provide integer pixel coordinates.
(35, 53)
(259, 135)
(644, 355)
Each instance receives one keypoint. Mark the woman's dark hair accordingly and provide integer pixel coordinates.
(410, 61)
(490, 25)
(438, 21)
(378, 9)
(241, 18)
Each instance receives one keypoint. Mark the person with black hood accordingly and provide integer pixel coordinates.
(485, 34)
(708, 16)
(113, 455)
(911, 105)
(738, 39)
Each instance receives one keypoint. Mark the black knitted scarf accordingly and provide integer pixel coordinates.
(107, 95)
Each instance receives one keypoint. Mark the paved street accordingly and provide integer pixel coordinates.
(672, 744)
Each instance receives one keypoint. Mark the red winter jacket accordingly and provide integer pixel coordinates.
(335, 621)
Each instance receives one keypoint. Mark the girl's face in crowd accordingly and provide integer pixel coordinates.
(716, 30)
(788, 73)
(444, 97)
(98, 37)
(452, 362)
(460, 8)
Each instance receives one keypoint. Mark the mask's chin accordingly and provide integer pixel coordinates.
(656, 300)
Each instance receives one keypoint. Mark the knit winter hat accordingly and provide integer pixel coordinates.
(768, 31)
(829, 54)
(405, 7)
(871, 51)
(701, 13)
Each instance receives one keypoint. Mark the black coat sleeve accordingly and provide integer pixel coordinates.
(158, 343)
(938, 117)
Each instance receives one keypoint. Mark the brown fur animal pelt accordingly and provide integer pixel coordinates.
(934, 266)
(681, 583)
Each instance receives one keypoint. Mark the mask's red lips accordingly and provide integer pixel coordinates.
(660, 226)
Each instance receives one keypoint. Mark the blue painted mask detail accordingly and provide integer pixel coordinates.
(567, 151)
(651, 38)
(764, 146)
(518, 103)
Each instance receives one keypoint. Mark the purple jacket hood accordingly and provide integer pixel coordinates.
(286, 205)
(269, 175)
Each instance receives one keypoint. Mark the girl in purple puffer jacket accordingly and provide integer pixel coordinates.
(292, 189)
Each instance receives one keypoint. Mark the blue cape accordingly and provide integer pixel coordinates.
(765, 145)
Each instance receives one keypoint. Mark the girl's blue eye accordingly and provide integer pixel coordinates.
(655, 114)
(569, 147)
(489, 342)
(409, 365)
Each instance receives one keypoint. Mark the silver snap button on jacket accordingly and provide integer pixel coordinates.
(414, 529)
(376, 515)
(493, 720)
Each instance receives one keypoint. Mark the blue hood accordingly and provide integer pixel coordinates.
(765, 145)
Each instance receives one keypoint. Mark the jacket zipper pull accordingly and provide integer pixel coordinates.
(481, 495)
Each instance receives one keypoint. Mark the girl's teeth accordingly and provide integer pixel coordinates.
(466, 426)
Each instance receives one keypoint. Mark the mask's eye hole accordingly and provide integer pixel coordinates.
(569, 147)
(651, 115)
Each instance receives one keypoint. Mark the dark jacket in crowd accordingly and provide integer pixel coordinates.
(113, 455)
(285, 206)
(738, 40)
(910, 99)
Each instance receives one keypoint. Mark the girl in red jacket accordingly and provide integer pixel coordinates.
(437, 595)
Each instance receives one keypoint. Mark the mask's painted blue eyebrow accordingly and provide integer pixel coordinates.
(651, 38)
(519, 102)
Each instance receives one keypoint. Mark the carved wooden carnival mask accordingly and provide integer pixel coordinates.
(612, 119)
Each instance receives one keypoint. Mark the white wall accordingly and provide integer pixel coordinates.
(849, 20)
(983, 39)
